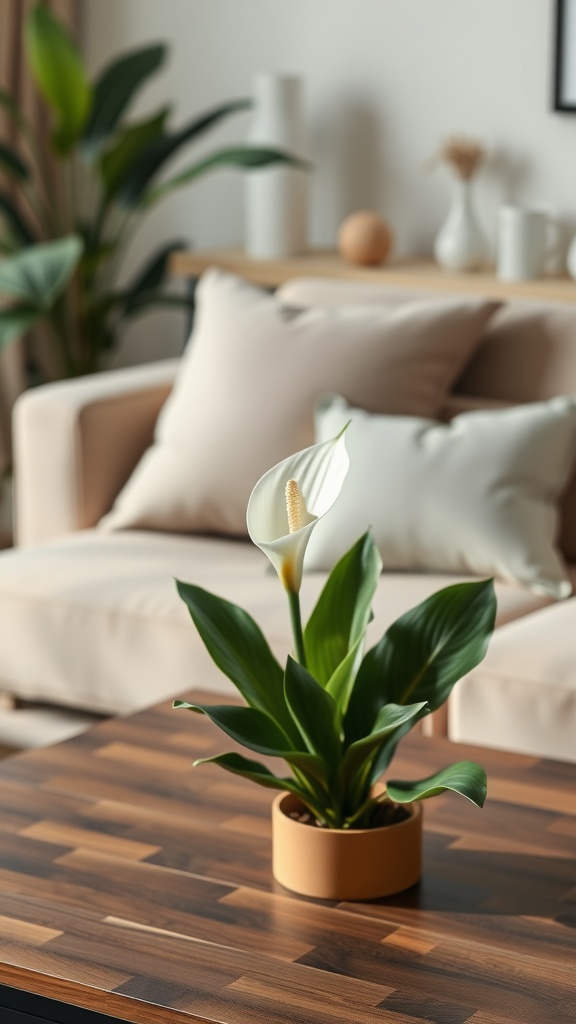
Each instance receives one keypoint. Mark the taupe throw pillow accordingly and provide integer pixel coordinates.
(245, 393)
(477, 495)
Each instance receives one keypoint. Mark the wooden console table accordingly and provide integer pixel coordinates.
(136, 888)
(419, 274)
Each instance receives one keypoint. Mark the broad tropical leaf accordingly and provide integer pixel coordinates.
(258, 731)
(60, 75)
(465, 777)
(343, 609)
(237, 646)
(12, 164)
(114, 90)
(16, 321)
(161, 150)
(255, 771)
(423, 654)
(243, 157)
(117, 162)
(39, 274)
(16, 222)
(313, 711)
(388, 720)
(152, 275)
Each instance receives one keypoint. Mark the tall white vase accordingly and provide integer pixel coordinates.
(276, 197)
(460, 243)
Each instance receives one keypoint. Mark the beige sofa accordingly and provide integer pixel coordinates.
(91, 622)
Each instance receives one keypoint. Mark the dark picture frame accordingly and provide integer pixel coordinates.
(564, 96)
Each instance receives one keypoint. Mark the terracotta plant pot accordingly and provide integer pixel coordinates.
(356, 864)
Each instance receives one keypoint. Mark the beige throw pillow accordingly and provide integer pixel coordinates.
(477, 495)
(245, 393)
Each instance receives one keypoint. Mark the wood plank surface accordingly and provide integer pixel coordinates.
(137, 886)
(418, 274)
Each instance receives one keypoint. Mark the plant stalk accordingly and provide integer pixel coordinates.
(296, 621)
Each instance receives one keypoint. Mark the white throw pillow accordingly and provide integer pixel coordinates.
(477, 495)
(245, 393)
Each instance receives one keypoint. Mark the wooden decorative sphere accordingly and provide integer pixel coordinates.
(365, 238)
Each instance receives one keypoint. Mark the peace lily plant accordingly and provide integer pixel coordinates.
(335, 714)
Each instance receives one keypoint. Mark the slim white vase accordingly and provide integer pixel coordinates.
(460, 243)
(276, 197)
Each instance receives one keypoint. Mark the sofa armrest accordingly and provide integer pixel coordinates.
(76, 443)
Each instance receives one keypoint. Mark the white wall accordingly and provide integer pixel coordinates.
(385, 81)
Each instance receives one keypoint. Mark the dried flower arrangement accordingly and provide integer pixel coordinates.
(462, 155)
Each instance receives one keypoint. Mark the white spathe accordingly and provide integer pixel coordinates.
(319, 472)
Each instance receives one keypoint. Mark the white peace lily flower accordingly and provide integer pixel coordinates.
(288, 501)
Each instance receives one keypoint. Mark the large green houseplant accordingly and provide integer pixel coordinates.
(65, 221)
(334, 714)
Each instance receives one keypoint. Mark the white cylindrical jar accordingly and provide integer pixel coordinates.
(276, 196)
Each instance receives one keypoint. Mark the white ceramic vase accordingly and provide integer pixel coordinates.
(460, 243)
(276, 197)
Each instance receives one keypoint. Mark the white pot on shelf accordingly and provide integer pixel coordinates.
(460, 243)
(276, 197)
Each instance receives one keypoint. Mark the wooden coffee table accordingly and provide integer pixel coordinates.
(134, 886)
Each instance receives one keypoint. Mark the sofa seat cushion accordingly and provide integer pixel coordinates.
(94, 621)
(523, 695)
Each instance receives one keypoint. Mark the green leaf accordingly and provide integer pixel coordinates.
(122, 156)
(258, 731)
(255, 771)
(465, 777)
(243, 157)
(249, 726)
(238, 647)
(39, 274)
(161, 150)
(15, 220)
(343, 609)
(152, 276)
(16, 321)
(60, 75)
(12, 163)
(423, 654)
(388, 720)
(313, 711)
(114, 90)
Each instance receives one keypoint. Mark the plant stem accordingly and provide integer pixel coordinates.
(296, 620)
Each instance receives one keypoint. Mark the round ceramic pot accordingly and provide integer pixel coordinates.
(352, 864)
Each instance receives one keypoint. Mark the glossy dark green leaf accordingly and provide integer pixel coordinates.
(423, 654)
(238, 647)
(241, 157)
(12, 164)
(343, 609)
(16, 321)
(314, 712)
(253, 770)
(38, 275)
(465, 777)
(114, 90)
(59, 73)
(122, 157)
(259, 732)
(152, 275)
(163, 149)
(16, 223)
(388, 720)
